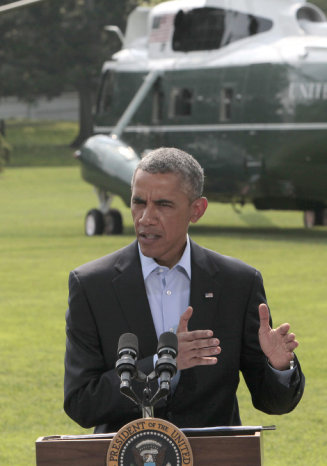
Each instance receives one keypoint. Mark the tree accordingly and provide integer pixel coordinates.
(87, 46)
(321, 4)
(5, 150)
(57, 45)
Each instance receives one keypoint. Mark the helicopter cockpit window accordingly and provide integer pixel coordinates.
(105, 93)
(180, 102)
(312, 20)
(211, 28)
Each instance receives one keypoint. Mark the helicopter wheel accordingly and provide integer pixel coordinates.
(94, 223)
(113, 222)
(314, 218)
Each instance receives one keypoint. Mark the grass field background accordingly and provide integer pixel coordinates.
(41, 239)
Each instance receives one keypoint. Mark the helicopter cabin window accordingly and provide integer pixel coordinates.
(105, 92)
(180, 102)
(226, 104)
(211, 28)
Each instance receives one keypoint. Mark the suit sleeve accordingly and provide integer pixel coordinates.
(269, 393)
(91, 387)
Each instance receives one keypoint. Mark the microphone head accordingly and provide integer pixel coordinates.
(128, 341)
(168, 342)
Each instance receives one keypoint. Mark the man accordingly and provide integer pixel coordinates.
(164, 281)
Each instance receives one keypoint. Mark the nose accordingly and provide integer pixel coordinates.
(149, 216)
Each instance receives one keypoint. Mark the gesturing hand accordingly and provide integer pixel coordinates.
(277, 344)
(196, 348)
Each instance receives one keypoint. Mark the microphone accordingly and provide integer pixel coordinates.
(127, 352)
(166, 366)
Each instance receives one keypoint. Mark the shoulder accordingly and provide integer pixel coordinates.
(109, 264)
(215, 261)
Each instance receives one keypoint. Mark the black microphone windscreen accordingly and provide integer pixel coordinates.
(128, 341)
(168, 340)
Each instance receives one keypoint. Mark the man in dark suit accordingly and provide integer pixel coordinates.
(164, 281)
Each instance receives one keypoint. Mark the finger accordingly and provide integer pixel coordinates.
(204, 361)
(207, 352)
(195, 335)
(196, 346)
(264, 317)
(283, 329)
(210, 343)
(196, 361)
(290, 337)
(184, 319)
(202, 353)
(292, 345)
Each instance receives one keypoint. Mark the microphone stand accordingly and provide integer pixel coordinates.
(165, 369)
(148, 401)
(147, 405)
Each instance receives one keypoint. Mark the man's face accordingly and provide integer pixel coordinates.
(161, 212)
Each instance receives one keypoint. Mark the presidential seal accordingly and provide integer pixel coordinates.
(149, 442)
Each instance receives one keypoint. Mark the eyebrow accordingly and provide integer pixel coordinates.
(137, 199)
(140, 200)
(163, 201)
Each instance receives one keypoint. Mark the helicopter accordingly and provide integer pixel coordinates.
(241, 85)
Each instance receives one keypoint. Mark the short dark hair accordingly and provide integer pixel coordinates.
(173, 160)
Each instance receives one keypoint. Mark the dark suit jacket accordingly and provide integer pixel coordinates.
(107, 298)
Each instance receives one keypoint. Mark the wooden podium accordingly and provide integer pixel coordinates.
(227, 448)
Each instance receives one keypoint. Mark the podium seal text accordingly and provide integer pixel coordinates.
(149, 442)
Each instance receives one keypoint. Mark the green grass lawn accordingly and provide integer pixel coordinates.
(41, 143)
(42, 239)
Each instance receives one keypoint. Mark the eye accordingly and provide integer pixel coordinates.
(165, 203)
(138, 201)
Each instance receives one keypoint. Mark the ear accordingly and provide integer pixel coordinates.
(199, 206)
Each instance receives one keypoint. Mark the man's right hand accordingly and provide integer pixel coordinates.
(196, 348)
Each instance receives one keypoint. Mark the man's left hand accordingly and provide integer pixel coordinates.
(277, 344)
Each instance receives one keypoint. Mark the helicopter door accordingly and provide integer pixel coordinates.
(105, 96)
(260, 109)
(231, 137)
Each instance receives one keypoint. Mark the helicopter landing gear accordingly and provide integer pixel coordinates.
(97, 223)
(94, 223)
(314, 218)
(113, 222)
(103, 220)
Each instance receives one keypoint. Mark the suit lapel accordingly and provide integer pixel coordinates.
(205, 292)
(131, 293)
(205, 289)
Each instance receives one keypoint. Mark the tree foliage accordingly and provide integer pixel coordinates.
(321, 4)
(57, 45)
(5, 150)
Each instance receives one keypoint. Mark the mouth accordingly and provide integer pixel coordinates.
(148, 237)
